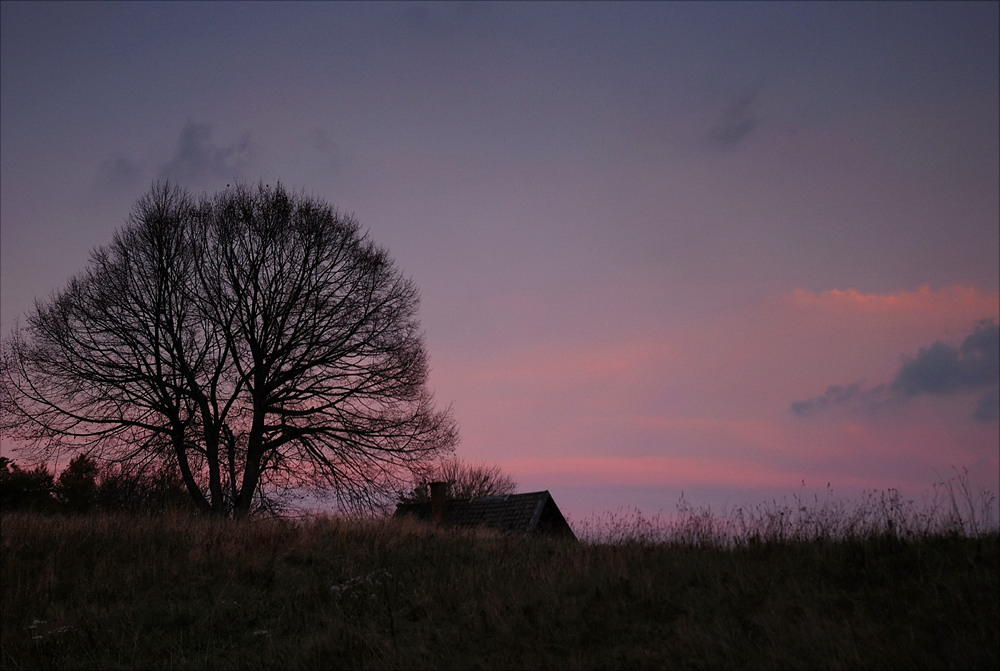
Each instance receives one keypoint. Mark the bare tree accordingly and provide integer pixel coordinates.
(258, 339)
(466, 480)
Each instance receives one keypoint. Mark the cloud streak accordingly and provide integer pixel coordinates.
(840, 396)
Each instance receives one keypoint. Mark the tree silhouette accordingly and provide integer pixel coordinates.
(76, 486)
(20, 489)
(258, 339)
(465, 481)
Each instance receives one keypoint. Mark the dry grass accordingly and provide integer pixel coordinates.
(175, 592)
(952, 508)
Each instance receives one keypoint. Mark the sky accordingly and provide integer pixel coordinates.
(733, 252)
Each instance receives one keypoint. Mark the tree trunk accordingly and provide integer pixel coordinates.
(251, 471)
(182, 462)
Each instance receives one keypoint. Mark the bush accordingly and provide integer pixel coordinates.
(21, 489)
(76, 488)
(132, 488)
(84, 486)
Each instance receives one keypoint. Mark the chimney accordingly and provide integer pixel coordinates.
(439, 495)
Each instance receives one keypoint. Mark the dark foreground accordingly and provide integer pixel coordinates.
(128, 592)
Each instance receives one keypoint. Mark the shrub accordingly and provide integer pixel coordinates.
(76, 488)
(83, 486)
(21, 489)
(137, 488)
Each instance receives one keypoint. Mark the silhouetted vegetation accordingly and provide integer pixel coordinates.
(83, 486)
(254, 341)
(183, 592)
(76, 487)
(25, 489)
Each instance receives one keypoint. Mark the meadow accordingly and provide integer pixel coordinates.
(883, 583)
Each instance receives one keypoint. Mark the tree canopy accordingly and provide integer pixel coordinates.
(256, 339)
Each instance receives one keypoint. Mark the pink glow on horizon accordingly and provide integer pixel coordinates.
(707, 405)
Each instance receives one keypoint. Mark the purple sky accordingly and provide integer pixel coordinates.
(713, 248)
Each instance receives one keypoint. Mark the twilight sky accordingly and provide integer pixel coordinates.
(722, 249)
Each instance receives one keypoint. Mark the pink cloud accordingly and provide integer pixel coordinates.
(956, 301)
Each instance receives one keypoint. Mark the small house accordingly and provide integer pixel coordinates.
(534, 512)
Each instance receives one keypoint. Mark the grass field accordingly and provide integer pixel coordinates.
(774, 587)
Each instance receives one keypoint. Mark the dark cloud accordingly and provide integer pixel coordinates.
(198, 157)
(117, 173)
(737, 121)
(940, 370)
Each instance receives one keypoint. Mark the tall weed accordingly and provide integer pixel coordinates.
(952, 507)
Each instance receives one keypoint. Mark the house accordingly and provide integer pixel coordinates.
(534, 512)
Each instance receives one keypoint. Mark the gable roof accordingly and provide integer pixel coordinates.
(534, 512)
